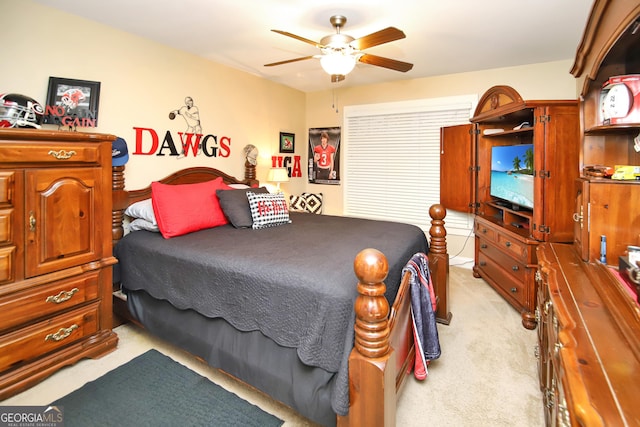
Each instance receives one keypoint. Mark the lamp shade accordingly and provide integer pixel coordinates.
(278, 175)
(338, 63)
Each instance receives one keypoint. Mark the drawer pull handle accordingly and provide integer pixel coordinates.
(62, 296)
(545, 308)
(484, 230)
(483, 263)
(515, 268)
(514, 290)
(551, 399)
(483, 246)
(61, 334)
(508, 244)
(62, 154)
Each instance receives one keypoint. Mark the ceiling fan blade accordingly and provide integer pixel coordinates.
(379, 37)
(302, 39)
(380, 61)
(288, 61)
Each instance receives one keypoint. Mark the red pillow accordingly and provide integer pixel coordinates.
(184, 208)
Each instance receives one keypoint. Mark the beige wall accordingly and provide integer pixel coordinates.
(142, 81)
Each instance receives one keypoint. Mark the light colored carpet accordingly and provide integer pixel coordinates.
(486, 376)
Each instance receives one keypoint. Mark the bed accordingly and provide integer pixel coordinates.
(336, 347)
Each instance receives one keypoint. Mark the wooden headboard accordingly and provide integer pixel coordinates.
(123, 198)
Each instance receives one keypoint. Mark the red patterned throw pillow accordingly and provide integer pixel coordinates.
(268, 210)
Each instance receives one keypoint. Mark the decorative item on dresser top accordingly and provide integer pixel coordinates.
(55, 253)
(277, 288)
(522, 159)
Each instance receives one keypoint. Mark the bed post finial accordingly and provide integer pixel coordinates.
(371, 306)
(372, 375)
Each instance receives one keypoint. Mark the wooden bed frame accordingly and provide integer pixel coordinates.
(384, 351)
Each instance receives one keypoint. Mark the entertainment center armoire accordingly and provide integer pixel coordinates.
(507, 234)
(589, 316)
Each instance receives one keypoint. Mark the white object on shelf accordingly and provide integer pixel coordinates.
(492, 131)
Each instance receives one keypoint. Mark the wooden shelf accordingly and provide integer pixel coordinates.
(632, 128)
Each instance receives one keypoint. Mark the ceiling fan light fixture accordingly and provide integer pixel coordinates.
(338, 63)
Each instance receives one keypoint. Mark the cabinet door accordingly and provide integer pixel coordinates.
(457, 159)
(557, 159)
(62, 218)
(613, 214)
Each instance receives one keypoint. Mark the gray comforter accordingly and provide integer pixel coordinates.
(295, 283)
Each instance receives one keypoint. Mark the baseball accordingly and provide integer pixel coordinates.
(172, 115)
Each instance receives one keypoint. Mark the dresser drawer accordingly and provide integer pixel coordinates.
(514, 247)
(486, 232)
(502, 279)
(6, 226)
(7, 190)
(44, 337)
(24, 306)
(58, 153)
(513, 266)
(7, 266)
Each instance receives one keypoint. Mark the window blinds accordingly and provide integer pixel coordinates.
(392, 160)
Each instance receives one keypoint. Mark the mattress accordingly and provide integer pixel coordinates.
(294, 284)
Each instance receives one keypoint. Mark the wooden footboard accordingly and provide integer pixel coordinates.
(383, 354)
(384, 350)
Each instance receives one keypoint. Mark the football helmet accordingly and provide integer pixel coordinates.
(20, 111)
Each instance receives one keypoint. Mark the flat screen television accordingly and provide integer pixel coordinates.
(512, 175)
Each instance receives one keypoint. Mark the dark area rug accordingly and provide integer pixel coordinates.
(154, 390)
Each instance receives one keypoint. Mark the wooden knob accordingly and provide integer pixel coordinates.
(371, 266)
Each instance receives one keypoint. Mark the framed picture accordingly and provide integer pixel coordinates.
(324, 155)
(287, 142)
(72, 102)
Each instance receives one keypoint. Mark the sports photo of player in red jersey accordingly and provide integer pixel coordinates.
(324, 157)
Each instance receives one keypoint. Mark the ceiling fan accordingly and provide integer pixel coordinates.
(340, 52)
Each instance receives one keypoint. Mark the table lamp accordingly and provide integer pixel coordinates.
(278, 175)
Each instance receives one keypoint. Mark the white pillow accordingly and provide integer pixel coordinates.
(143, 224)
(238, 186)
(143, 210)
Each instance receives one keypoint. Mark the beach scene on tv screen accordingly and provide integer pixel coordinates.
(512, 174)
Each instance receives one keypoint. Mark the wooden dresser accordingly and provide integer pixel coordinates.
(55, 253)
(589, 342)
